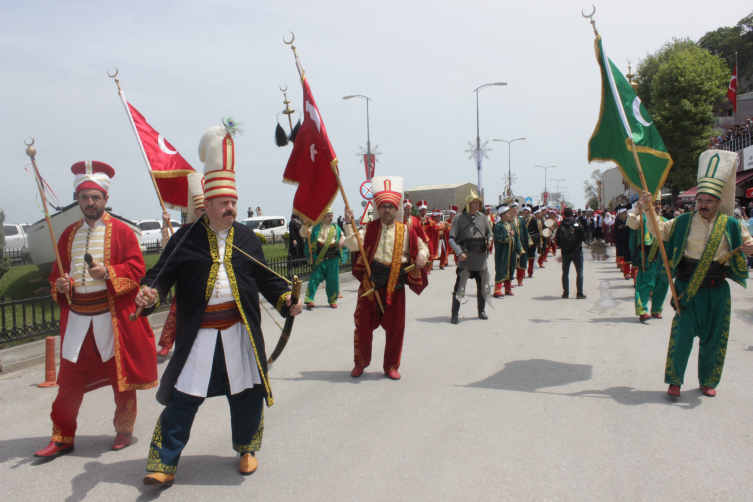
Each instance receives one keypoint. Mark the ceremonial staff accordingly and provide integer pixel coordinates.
(342, 190)
(141, 147)
(32, 152)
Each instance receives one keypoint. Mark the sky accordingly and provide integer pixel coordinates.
(187, 64)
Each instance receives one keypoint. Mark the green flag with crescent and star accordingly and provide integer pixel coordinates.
(622, 116)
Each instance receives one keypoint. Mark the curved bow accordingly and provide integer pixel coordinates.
(288, 328)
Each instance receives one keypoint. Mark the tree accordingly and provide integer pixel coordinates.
(593, 203)
(592, 186)
(682, 82)
(4, 261)
(726, 41)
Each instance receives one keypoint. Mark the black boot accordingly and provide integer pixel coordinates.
(455, 310)
(481, 304)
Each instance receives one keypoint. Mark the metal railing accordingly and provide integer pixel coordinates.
(736, 144)
(18, 256)
(151, 247)
(28, 317)
(302, 267)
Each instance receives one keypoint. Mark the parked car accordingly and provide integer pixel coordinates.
(15, 237)
(271, 227)
(151, 230)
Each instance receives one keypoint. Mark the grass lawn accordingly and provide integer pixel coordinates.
(275, 252)
(22, 281)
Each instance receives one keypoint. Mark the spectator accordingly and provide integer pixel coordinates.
(295, 247)
(341, 222)
(250, 213)
(569, 238)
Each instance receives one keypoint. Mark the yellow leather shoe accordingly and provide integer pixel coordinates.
(159, 479)
(248, 464)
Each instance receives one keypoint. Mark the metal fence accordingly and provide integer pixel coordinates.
(302, 267)
(28, 317)
(736, 144)
(18, 256)
(151, 247)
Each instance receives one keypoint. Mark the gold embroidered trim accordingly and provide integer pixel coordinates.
(281, 301)
(57, 437)
(397, 256)
(327, 242)
(707, 257)
(716, 373)
(214, 250)
(255, 444)
(126, 420)
(236, 296)
(153, 462)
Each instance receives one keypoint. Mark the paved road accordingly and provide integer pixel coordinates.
(549, 399)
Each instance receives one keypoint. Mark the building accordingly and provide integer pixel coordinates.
(614, 190)
(441, 196)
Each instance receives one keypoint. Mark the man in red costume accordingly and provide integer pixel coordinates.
(390, 247)
(428, 225)
(439, 239)
(413, 222)
(99, 345)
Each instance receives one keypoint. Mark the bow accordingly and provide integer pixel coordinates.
(288, 328)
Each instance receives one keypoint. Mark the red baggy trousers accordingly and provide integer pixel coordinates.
(73, 380)
(368, 318)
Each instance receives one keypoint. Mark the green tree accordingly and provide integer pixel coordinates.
(592, 186)
(726, 41)
(4, 261)
(682, 82)
(593, 203)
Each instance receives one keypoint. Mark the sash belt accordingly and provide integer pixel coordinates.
(474, 244)
(330, 253)
(714, 277)
(221, 316)
(380, 275)
(90, 304)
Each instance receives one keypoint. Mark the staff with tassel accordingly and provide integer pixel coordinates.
(32, 152)
(141, 147)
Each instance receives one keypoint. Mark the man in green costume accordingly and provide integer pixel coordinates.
(703, 249)
(521, 229)
(506, 248)
(650, 283)
(326, 242)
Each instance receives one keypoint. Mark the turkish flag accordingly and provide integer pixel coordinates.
(311, 163)
(732, 90)
(169, 168)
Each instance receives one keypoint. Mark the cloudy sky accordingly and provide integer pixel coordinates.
(186, 64)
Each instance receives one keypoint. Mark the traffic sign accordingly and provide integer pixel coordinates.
(366, 190)
(368, 214)
(529, 200)
(557, 207)
(545, 195)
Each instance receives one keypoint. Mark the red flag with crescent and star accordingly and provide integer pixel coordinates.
(311, 163)
(169, 168)
(732, 90)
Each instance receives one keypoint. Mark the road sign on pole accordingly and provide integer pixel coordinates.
(366, 190)
(368, 214)
(529, 200)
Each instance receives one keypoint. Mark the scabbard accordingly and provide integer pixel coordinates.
(288, 328)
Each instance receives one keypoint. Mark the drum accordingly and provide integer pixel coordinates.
(549, 223)
(547, 232)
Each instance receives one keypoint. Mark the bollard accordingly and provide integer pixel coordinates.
(49, 364)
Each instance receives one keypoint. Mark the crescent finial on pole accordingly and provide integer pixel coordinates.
(291, 40)
(117, 82)
(591, 17)
(30, 151)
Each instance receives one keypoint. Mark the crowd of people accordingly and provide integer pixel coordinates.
(738, 131)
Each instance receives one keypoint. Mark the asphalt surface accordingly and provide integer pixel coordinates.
(550, 399)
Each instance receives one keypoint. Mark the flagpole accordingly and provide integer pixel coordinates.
(737, 92)
(655, 221)
(32, 152)
(339, 185)
(308, 239)
(141, 147)
(643, 250)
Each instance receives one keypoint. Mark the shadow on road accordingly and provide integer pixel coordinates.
(546, 298)
(23, 449)
(201, 470)
(535, 374)
(632, 397)
(540, 321)
(337, 376)
(633, 319)
(435, 320)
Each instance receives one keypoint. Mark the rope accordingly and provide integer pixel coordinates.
(270, 315)
(247, 255)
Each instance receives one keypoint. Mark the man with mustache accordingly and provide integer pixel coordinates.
(99, 346)
(698, 250)
(219, 346)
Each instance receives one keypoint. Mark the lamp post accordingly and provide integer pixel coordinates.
(368, 138)
(558, 183)
(509, 169)
(478, 135)
(545, 169)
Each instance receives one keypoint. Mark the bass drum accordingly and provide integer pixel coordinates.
(547, 232)
(549, 223)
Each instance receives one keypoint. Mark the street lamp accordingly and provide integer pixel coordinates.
(509, 170)
(368, 138)
(545, 169)
(478, 135)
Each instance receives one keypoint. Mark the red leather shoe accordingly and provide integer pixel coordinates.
(310, 306)
(357, 372)
(333, 305)
(163, 352)
(657, 316)
(708, 391)
(674, 390)
(645, 317)
(54, 449)
(530, 275)
(122, 439)
(393, 375)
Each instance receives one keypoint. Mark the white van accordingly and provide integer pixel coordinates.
(15, 237)
(151, 230)
(271, 227)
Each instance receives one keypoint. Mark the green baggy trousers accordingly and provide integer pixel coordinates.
(649, 285)
(328, 270)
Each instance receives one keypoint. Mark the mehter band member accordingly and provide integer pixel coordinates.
(470, 234)
(102, 265)
(327, 241)
(704, 248)
(390, 247)
(218, 272)
(506, 249)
